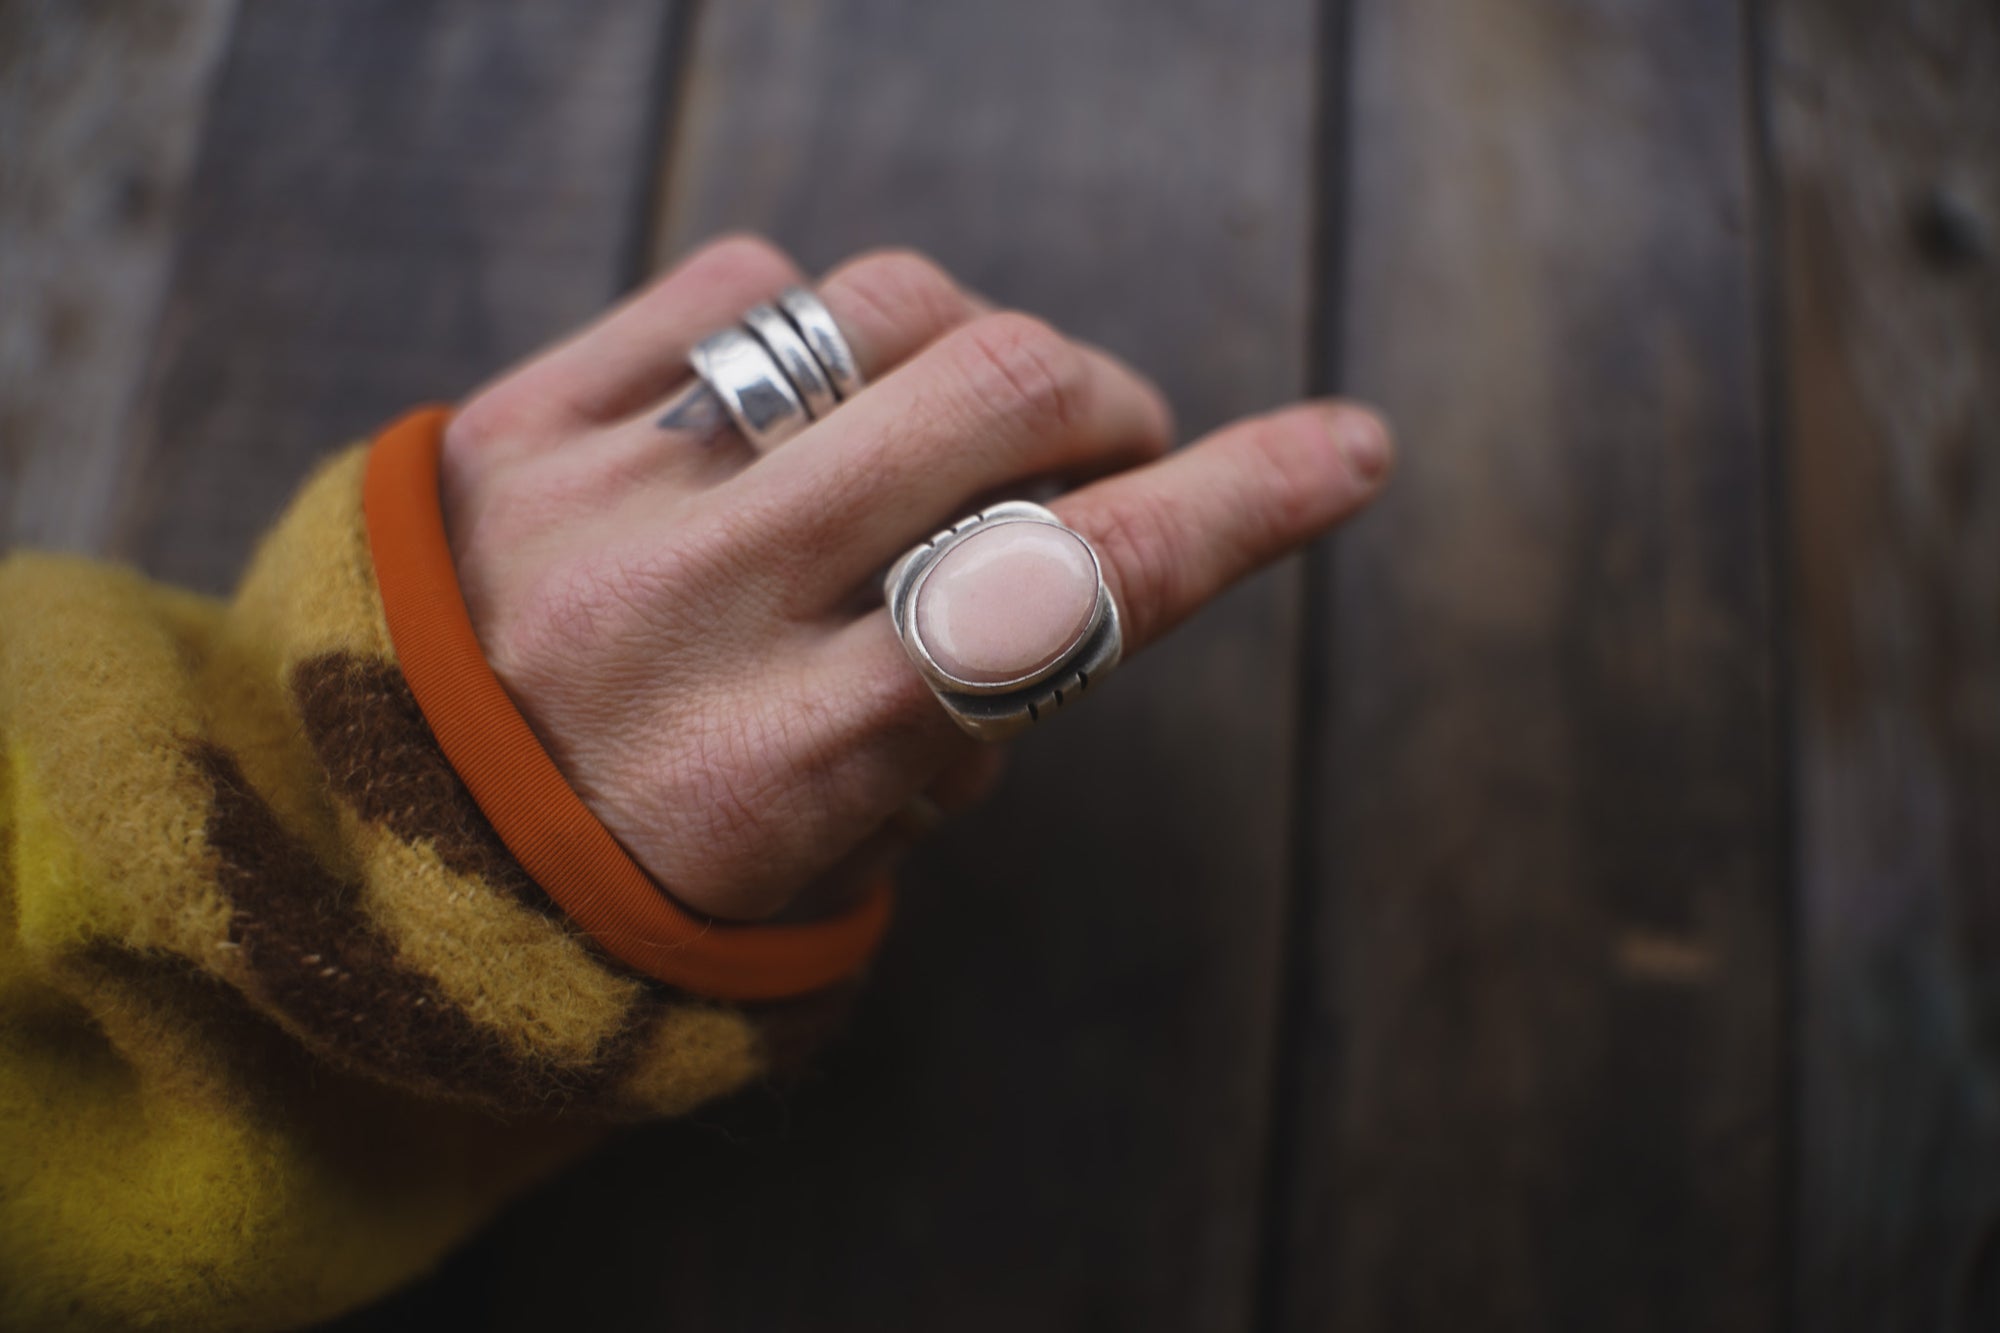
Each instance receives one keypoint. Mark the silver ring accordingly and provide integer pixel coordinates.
(744, 375)
(782, 367)
(815, 324)
(1071, 638)
(796, 359)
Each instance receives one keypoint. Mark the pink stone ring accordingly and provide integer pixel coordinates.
(1006, 616)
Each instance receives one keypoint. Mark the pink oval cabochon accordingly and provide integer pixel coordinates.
(1006, 601)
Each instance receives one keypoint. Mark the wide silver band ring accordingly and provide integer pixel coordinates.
(815, 324)
(781, 367)
(759, 398)
(788, 347)
(996, 709)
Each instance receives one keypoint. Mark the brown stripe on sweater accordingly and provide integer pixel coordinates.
(316, 959)
(381, 758)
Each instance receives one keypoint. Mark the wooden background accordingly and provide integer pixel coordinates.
(1568, 899)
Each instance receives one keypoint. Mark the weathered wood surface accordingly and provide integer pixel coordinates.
(1051, 1110)
(1887, 137)
(393, 200)
(1539, 1056)
(1571, 1029)
(100, 107)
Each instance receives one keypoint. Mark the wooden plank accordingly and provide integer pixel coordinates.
(1886, 124)
(1050, 1112)
(393, 200)
(1538, 1038)
(100, 103)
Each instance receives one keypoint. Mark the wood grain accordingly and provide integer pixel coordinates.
(1538, 1043)
(1534, 1060)
(100, 107)
(393, 200)
(1886, 123)
(1051, 1110)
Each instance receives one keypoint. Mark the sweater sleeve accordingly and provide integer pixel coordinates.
(281, 1016)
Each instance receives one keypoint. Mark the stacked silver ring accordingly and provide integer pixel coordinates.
(783, 367)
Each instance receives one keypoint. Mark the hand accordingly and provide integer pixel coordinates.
(696, 633)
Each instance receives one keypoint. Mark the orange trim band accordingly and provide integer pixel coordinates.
(544, 823)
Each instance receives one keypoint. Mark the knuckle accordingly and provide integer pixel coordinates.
(1020, 367)
(745, 254)
(492, 419)
(906, 288)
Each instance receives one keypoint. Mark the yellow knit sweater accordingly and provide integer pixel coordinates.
(280, 1018)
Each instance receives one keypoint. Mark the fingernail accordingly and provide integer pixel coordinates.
(1364, 441)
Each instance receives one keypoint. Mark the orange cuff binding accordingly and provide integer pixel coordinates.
(545, 824)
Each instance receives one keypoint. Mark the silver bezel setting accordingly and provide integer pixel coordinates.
(993, 711)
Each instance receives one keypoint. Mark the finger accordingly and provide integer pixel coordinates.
(1172, 535)
(891, 304)
(887, 303)
(634, 354)
(1169, 536)
(998, 399)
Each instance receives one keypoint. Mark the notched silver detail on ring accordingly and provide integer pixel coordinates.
(993, 710)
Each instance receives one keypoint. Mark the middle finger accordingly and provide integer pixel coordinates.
(1000, 399)
(888, 305)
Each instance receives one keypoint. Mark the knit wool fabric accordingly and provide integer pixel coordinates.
(281, 1019)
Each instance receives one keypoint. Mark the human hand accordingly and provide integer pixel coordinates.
(695, 632)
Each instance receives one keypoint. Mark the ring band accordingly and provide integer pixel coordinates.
(815, 324)
(743, 374)
(1006, 616)
(782, 366)
(796, 359)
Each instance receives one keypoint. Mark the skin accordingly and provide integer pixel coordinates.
(696, 632)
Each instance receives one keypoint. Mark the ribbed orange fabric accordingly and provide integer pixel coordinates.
(544, 823)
